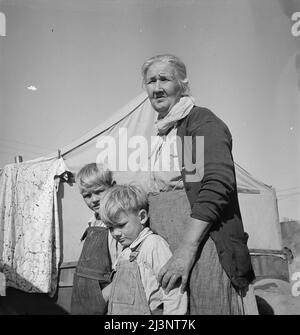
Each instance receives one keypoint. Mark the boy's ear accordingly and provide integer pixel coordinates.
(143, 215)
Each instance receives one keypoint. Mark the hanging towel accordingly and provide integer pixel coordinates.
(29, 227)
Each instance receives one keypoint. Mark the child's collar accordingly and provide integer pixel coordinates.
(141, 237)
(97, 216)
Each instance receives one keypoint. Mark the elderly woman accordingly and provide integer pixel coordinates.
(195, 206)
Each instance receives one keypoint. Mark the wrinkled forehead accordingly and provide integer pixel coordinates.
(161, 68)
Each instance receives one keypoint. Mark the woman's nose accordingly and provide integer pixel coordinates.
(157, 86)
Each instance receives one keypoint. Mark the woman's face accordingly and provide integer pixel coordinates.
(163, 87)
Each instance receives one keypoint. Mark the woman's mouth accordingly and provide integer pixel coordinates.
(159, 101)
(159, 95)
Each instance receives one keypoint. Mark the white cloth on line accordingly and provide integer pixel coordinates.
(29, 227)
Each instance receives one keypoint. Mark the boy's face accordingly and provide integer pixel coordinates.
(93, 196)
(128, 227)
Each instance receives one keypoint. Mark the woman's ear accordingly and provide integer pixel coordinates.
(143, 215)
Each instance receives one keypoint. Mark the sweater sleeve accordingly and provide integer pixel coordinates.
(218, 182)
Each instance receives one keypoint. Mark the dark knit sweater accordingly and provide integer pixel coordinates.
(213, 194)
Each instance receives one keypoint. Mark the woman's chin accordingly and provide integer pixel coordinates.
(160, 108)
(162, 112)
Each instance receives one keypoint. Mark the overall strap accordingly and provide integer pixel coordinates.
(135, 251)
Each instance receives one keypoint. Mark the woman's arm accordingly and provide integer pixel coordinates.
(213, 197)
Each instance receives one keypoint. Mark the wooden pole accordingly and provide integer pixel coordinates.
(18, 159)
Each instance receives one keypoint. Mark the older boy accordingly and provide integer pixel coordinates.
(135, 289)
(99, 251)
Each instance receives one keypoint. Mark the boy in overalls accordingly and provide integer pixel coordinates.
(99, 250)
(135, 289)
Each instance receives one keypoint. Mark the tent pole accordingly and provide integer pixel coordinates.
(18, 159)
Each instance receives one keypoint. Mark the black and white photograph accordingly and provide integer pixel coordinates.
(150, 160)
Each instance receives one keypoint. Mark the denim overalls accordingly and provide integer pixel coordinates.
(127, 295)
(92, 274)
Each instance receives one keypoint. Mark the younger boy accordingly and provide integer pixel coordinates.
(135, 289)
(99, 251)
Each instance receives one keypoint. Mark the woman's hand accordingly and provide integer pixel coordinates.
(178, 267)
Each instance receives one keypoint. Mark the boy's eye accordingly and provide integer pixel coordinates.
(86, 195)
(98, 192)
(117, 225)
(121, 224)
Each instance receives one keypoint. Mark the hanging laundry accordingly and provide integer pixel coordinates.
(29, 227)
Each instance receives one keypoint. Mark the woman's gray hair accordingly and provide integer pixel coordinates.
(176, 63)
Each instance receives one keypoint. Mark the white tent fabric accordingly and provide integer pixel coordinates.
(258, 204)
(119, 139)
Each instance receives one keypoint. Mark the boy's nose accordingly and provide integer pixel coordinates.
(94, 198)
(116, 232)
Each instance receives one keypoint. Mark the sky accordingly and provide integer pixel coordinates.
(68, 65)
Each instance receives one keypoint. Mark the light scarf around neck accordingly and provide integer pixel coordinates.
(180, 110)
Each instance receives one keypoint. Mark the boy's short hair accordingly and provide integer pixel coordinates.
(122, 198)
(94, 175)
